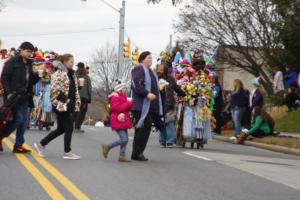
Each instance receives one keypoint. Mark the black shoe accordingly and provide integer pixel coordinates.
(170, 146)
(21, 149)
(139, 158)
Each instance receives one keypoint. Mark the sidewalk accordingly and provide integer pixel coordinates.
(270, 147)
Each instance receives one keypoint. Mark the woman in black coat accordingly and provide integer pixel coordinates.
(146, 104)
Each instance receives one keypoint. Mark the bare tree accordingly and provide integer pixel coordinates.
(174, 2)
(2, 4)
(243, 27)
(104, 72)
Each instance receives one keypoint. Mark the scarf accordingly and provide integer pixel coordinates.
(252, 94)
(146, 101)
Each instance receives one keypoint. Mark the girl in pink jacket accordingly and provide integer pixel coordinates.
(119, 120)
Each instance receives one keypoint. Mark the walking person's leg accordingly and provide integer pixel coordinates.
(137, 135)
(21, 129)
(68, 138)
(68, 132)
(146, 132)
(18, 119)
(40, 147)
(124, 141)
(59, 130)
(141, 136)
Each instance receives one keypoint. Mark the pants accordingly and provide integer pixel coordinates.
(141, 135)
(217, 116)
(290, 101)
(237, 116)
(259, 133)
(19, 123)
(123, 134)
(64, 125)
(80, 116)
(167, 136)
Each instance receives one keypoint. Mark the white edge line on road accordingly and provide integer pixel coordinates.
(197, 156)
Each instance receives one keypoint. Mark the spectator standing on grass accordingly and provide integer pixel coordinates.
(278, 80)
(256, 96)
(238, 104)
(290, 78)
(291, 99)
(219, 103)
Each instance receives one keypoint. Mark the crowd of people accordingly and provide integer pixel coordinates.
(182, 98)
(38, 87)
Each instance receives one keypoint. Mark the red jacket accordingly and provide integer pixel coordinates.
(119, 104)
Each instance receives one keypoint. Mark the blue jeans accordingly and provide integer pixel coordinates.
(123, 134)
(167, 136)
(19, 123)
(237, 116)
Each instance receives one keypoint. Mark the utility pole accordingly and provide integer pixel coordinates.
(121, 39)
(120, 63)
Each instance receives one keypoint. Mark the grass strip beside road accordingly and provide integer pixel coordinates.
(37, 174)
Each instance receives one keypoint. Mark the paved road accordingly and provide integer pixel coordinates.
(221, 171)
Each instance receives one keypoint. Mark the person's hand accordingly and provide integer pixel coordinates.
(121, 117)
(151, 96)
(129, 99)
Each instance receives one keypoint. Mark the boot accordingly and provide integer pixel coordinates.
(123, 159)
(105, 150)
(242, 138)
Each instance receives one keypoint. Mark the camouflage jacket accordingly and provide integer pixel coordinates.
(60, 83)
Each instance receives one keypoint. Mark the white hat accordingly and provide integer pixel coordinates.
(119, 86)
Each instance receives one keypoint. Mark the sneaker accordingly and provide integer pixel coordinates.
(1, 147)
(39, 149)
(124, 159)
(105, 150)
(170, 146)
(162, 146)
(71, 156)
(21, 149)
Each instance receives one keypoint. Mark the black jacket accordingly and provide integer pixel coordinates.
(170, 89)
(14, 79)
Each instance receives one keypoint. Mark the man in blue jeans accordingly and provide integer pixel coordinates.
(18, 80)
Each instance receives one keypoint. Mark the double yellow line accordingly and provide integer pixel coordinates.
(42, 180)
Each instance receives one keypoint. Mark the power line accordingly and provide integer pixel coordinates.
(61, 33)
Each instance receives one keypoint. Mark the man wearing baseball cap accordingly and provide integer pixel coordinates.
(18, 79)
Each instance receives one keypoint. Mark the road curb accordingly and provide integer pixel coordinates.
(280, 149)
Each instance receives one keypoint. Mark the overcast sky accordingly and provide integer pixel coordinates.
(54, 25)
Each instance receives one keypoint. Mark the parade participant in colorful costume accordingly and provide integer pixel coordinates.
(197, 105)
(42, 115)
